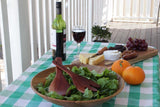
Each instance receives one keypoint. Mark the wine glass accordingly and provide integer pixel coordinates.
(78, 35)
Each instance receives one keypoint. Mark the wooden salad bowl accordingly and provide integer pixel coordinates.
(40, 78)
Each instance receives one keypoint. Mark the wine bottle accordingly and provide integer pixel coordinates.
(59, 25)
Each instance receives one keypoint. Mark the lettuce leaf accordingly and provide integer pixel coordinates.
(103, 81)
(55, 95)
(88, 94)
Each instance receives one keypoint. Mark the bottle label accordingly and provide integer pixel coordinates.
(53, 39)
(64, 48)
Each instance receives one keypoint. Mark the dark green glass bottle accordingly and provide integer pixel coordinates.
(59, 25)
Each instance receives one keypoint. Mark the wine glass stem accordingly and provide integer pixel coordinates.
(78, 48)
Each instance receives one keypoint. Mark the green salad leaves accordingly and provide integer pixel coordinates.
(107, 80)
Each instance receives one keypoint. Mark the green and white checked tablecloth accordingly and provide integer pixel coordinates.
(20, 94)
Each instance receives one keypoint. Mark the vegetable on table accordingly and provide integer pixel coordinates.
(107, 80)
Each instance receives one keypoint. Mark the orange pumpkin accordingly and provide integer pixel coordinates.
(119, 65)
(133, 75)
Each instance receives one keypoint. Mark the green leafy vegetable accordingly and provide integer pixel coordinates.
(42, 90)
(55, 95)
(71, 88)
(49, 79)
(96, 74)
(74, 97)
(103, 81)
(88, 93)
(107, 80)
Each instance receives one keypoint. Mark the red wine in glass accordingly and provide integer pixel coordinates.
(78, 35)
